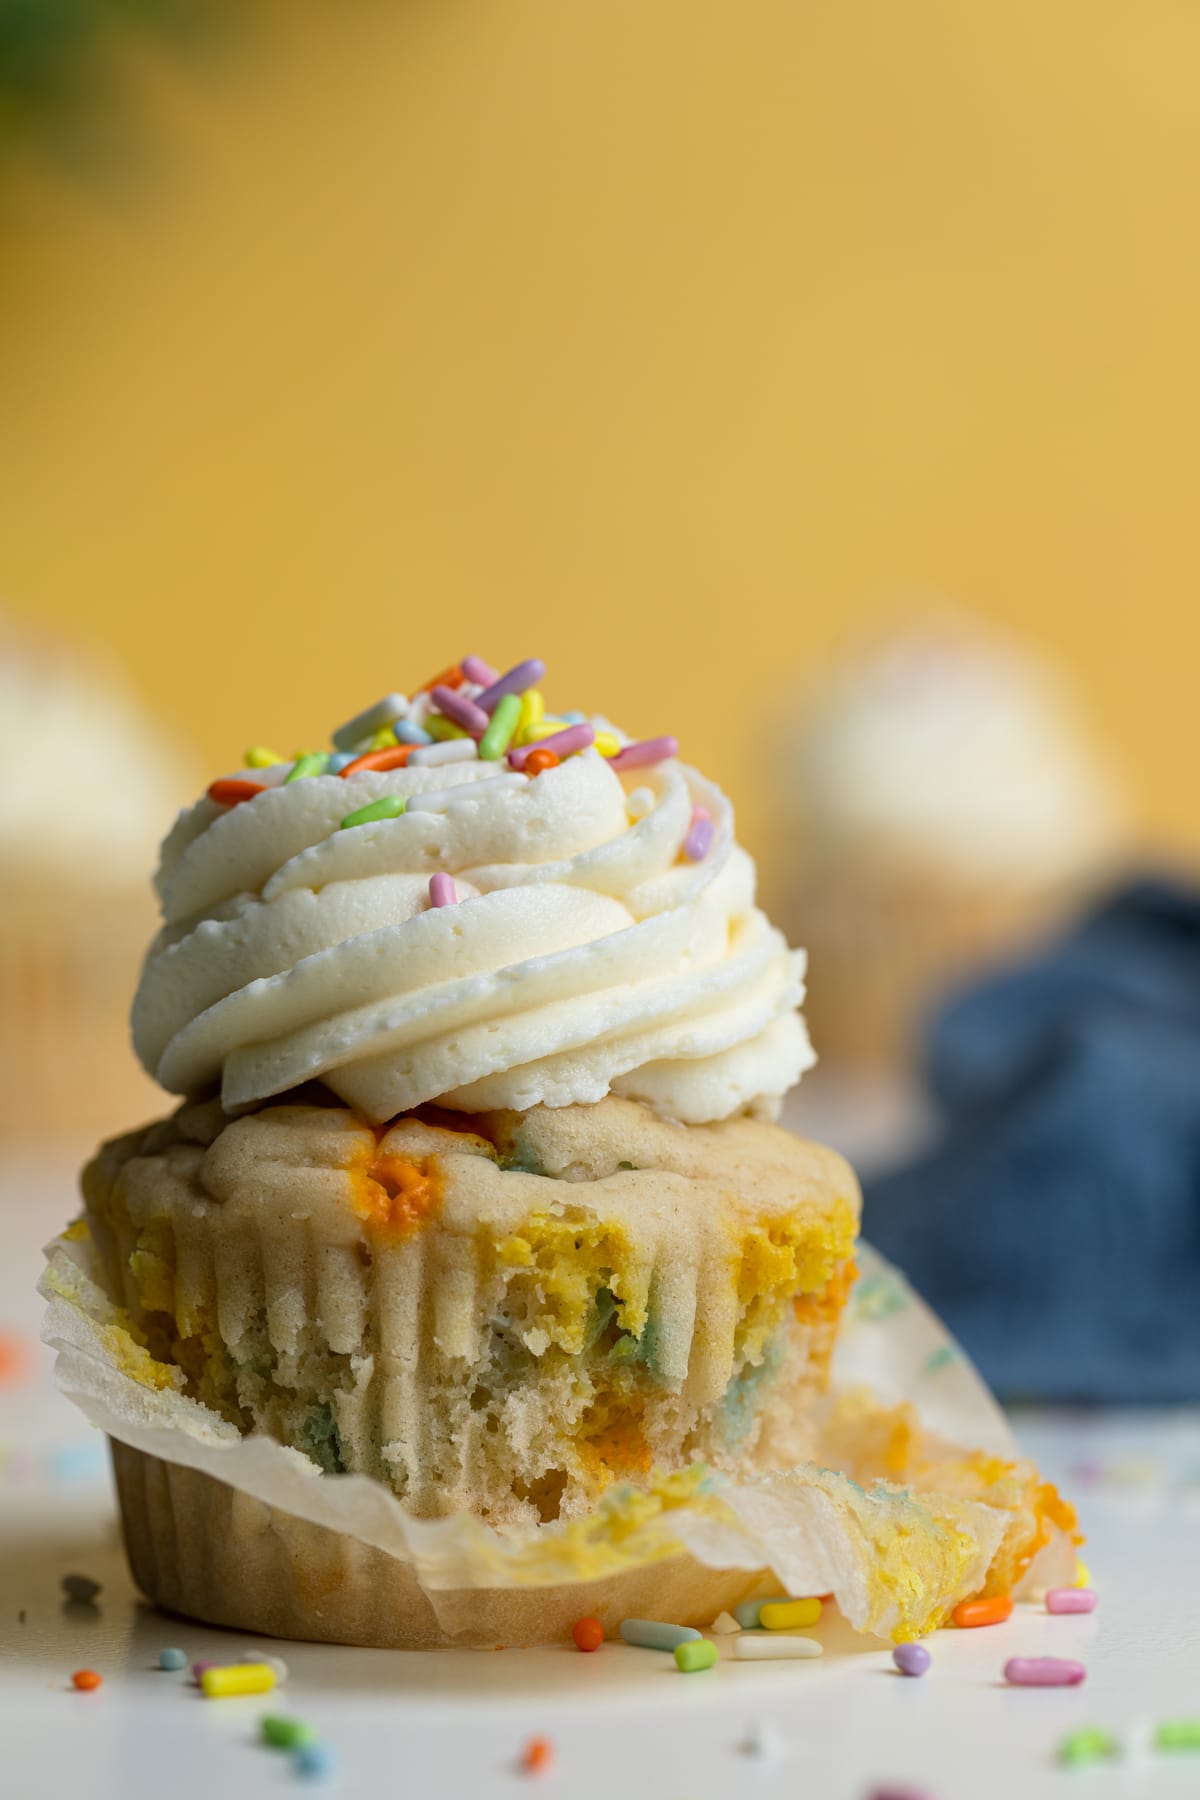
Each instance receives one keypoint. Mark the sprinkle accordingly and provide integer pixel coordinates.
(523, 675)
(316, 1760)
(537, 1756)
(259, 757)
(384, 712)
(339, 760)
(648, 750)
(226, 1679)
(1071, 1600)
(572, 718)
(442, 891)
(1177, 1734)
(899, 1793)
(172, 1658)
(432, 756)
(911, 1659)
(80, 1587)
(232, 793)
(533, 711)
(285, 1734)
(538, 761)
(992, 1611)
(775, 1646)
(724, 1625)
(314, 762)
(575, 737)
(275, 1663)
(690, 1658)
(379, 761)
(588, 1634)
(476, 670)
(439, 729)
(788, 1615)
(1088, 1744)
(405, 732)
(608, 743)
(1083, 1575)
(1043, 1671)
(453, 677)
(639, 803)
(503, 724)
(389, 806)
(654, 1634)
(86, 1679)
(382, 739)
(746, 1611)
(698, 842)
(198, 1668)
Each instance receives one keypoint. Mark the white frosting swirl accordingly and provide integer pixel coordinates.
(584, 956)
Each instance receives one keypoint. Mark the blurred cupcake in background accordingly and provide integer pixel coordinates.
(945, 804)
(89, 781)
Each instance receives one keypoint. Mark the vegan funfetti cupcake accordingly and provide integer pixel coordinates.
(474, 1189)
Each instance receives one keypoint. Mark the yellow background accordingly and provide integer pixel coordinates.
(665, 340)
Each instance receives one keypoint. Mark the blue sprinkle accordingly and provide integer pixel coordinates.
(574, 718)
(315, 1760)
(338, 761)
(407, 733)
(172, 1659)
(83, 1460)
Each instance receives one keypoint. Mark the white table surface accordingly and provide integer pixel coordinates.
(624, 1723)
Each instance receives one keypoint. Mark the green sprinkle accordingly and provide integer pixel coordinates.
(285, 1734)
(389, 807)
(499, 734)
(441, 728)
(1088, 1744)
(314, 763)
(697, 1654)
(1178, 1734)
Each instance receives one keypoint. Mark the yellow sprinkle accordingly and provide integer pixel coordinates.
(533, 711)
(543, 729)
(441, 728)
(607, 743)
(238, 1678)
(786, 1615)
(1083, 1575)
(383, 739)
(259, 757)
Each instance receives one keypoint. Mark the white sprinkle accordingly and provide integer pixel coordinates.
(366, 724)
(774, 1646)
(725, 1625)
(275, 1663)
(454, 750)
(640, 802)
(438, 799)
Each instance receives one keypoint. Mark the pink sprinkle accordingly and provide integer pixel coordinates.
(698, 842)
(198, 1668)
(1071, 1600)
(442, 891)
(575, 737)
(475, 669)
(522, 676)
(464, 712)
(649, 750)
(899, 1793)
(1044, 1671)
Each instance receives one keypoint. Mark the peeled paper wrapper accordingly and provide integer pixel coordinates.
(918, 1498)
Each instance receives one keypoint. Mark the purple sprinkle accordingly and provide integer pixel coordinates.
(649, 750)
(698, 842)
(475, 669)
(442, 891)
(911, 1659)
(575, 737)
(1071, 1600)
(891, 1792)
(198, 1669)
(464, 712)
(524, 675)
(1044, 1671)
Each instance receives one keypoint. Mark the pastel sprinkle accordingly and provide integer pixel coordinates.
(1043, 1671)
(994, 1610)
(648, 750)
(572, 718)
(656, 1634)
(608, 743)
(259, 757)
(339, 760)
(775, 1646)
(228, 1679)
(440, 729)
(172, 1658)
(698, 842)
(1177, 1734)
(533, 711)
(1088, 1744)
(86, 1680)
(911, 1659)
(379, 761)
(316, 762)
(232, 793)
(198, 1668)
(537, 1756)
(432, 756)
(442, 891)
(788, 1615)
(80, 1587)
(383, 739)
(746, 1611)
(563, 743)
(724, 1625)
(453, 677)
(690, 1658)
(405, 732)
(384, 712)
(274, 1663)
(388, 806)
(588, 1634)
(1083, 1575)
(285, 1734)
(315, 1760)
(521, 676)
(1071, 1600)
(501, 728)
(464, 712)
(538, 761)
(478, 671)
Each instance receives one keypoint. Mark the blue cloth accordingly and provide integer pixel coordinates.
(1055, 1225)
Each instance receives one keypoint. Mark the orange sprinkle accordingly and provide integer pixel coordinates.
(538, 761)
(380, 760)
(538, 1755)
(86, 1679)
(15, 1362)
(588, 1634)
(992, 1611)
(452, 677)
(232, 793)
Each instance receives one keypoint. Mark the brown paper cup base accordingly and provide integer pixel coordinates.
(201, 1548)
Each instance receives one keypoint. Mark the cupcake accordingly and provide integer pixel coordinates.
(77, 833)
(944, 805)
